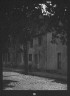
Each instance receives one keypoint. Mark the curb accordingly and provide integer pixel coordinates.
(51, 76)
(46, 75)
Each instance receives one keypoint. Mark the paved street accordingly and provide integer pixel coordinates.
(17, 81)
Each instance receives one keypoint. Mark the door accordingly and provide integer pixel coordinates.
(36, 60)
(59, 60)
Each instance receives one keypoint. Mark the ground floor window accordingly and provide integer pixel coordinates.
(30, 57)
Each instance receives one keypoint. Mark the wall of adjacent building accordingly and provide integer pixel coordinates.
(13, 58)
(52, 51)
(51, 54)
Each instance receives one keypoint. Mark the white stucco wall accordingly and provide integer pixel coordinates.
(51, 54)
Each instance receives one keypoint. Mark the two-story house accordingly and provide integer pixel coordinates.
(44, 55)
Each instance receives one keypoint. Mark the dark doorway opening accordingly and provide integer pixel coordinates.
(59, 60)
(36, 60)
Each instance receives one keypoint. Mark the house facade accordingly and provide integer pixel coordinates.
(44, 55)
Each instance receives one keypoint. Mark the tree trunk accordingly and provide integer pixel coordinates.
(25, 58)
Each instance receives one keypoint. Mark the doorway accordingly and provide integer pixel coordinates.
(59, 60)
(36, 59)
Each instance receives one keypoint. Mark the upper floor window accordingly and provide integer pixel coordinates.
(40, 40)
(31, 43)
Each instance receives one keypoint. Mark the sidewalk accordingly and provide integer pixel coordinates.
(49, 75)
(13, 70)
(41, 74)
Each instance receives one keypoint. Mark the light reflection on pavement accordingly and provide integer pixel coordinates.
(28, 82)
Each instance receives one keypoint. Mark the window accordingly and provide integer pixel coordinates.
(31, 43)
(59, 60)
(30, 57)
(40, 40)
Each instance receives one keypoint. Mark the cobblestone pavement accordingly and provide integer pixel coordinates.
(28, 82)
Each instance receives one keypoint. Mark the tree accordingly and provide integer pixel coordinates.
(58, 17)
(23, 35)
(44, 15)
